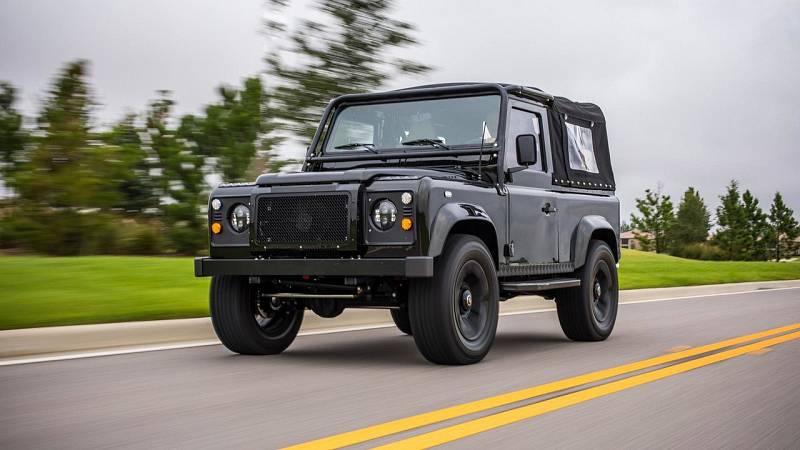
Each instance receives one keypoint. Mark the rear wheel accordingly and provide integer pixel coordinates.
(400, 317)
(588, 312)
(248, 322)
(454, 315)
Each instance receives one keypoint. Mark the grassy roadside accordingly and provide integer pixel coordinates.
(640, 270)
(46, 291)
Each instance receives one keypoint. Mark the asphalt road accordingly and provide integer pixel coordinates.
(328, 384)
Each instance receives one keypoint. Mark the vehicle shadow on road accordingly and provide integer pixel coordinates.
(392, 350)
(511, 343)
(398, 350)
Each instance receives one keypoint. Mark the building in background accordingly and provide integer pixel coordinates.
(629, 239)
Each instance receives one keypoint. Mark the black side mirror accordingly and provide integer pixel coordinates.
(527, 149)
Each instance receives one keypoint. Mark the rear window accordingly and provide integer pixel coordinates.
(581, 148)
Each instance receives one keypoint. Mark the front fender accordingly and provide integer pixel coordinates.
(448, 216)
(583, 234)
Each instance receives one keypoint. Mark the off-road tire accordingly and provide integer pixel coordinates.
(234, 314)
(400, 317)
(584, 315)
(441, 324)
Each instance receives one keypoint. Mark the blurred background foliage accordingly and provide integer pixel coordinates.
(742, 231)
(141, 185)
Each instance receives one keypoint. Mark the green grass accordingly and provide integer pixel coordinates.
(46, 291)
(648, 270)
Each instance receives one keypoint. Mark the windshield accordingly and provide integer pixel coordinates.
(441, 123)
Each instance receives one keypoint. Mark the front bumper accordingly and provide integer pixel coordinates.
(410, 267)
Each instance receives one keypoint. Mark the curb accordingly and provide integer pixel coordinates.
(78, 338)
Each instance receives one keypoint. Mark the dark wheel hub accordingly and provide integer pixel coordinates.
(264, 312)
(601, 297)
(472, 297)
(466, 300)
(272, 315)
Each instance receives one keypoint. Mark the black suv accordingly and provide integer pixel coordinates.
(436, 202)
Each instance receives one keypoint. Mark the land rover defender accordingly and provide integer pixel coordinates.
(435, 202)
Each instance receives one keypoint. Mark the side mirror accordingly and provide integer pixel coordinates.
(527, 149)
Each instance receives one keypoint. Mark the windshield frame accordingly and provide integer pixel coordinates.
(316, 154)
(325, 151)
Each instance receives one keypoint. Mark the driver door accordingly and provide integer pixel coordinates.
(532, 207)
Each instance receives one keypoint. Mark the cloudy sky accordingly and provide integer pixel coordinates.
(695, 93)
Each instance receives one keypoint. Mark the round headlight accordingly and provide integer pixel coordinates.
(240, 218)
(216, 204)
(384, 214)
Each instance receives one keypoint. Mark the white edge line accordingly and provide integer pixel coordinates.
(206, 343)
(94, 354)
(717, 294)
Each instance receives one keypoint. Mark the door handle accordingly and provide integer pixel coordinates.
(548, 208)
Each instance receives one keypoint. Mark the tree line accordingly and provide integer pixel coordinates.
(742, 230)
(141, 185)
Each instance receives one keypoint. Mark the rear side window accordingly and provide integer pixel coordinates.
(581, 148)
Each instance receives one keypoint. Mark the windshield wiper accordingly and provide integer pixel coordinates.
(460, 169)
(368, 146)
(427, 141)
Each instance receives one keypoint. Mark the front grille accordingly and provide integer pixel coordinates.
(308, 220)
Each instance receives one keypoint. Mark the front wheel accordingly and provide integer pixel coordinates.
(248, 322)
(588, 312)
(454, 315)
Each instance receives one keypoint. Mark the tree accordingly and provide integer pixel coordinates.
(784, 227)
(732, 236)
(693, 221)
(348, 53)
(68, 181)
(138, 185)
(12, 138)
(230, 132)
(652, 228)
(757, 230)
(179, 177)
(65, 169)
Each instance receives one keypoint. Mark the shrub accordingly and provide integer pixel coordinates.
(63, 232)
(702, 251)
(141, 238)
(187, 239)
(11, 232)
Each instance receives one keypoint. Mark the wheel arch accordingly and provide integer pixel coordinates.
(463, 218)
(589, 228)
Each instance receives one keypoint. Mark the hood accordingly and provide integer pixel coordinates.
(344, 176)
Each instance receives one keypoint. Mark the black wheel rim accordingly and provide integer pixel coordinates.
(272, 317)
(471, 301)
(602, 285)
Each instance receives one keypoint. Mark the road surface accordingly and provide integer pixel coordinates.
(743, 393)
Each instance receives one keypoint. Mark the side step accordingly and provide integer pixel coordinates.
(540, 285)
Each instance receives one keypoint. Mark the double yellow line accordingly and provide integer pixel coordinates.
(471, 427)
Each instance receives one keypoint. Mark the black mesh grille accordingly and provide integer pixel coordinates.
(318, 220)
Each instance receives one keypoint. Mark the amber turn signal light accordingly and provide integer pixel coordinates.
(405, 224)
(216, 228)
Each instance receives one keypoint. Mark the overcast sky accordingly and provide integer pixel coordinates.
(695, 93)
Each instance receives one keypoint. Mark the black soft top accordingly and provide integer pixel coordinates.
(578, 134)
(564, 112)
(567, 116)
